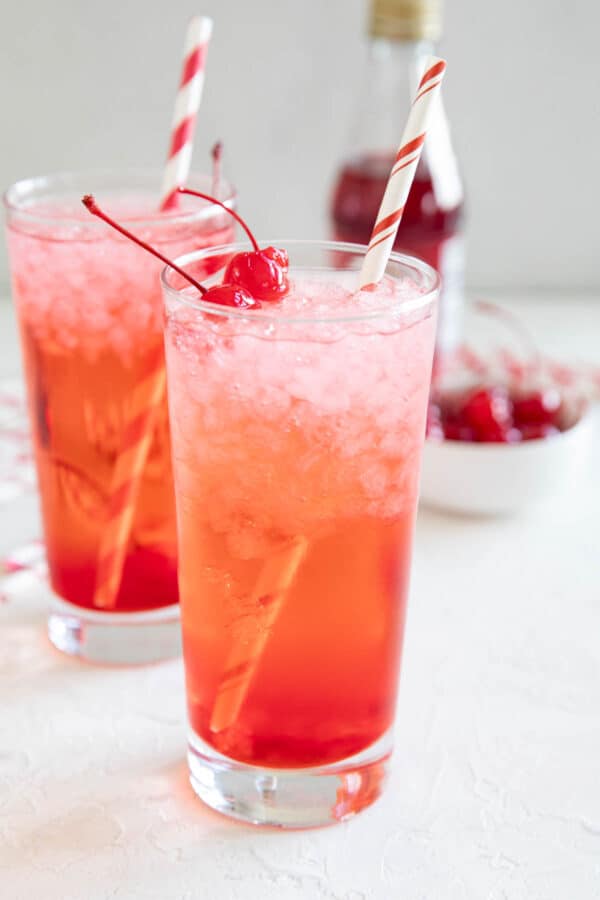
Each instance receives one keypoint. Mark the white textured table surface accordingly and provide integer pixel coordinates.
(495, 791)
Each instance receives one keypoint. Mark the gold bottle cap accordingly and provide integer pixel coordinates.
(406, 20)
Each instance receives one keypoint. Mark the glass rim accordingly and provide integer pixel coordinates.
(28, 187)
(263, 314)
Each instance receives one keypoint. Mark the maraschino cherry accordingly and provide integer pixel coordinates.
(537, 407)
(226, 294)
(261, 272)
(494, 414)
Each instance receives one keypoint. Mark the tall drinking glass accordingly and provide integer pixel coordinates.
(90, 314)
(297, 432)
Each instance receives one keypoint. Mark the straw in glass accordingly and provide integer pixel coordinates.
(268, 597)
(145, 404)
(148, 397)
(189, 94)
(401, 176)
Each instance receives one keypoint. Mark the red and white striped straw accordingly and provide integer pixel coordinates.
(402, 175)
(148, 397)
(145, 404)
(275, 579)
(188, 99)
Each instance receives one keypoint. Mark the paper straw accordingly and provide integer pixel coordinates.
(274, 582)
(148, 396)
(402, 175)
(186, 106)
(145, 403)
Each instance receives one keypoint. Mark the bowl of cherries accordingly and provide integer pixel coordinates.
(495, 448)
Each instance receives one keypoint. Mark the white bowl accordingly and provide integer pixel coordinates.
(493, 479)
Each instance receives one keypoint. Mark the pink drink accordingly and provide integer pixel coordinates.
(297, 434)
(91, 319)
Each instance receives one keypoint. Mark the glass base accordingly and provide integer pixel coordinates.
(115, 638)
(289, 798)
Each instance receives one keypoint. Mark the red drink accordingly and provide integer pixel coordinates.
(326, 685)
(90, 314)
(297, 433)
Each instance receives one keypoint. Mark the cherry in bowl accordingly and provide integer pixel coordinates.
(497, 414)
(494, 450)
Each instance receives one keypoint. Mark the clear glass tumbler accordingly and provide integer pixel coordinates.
(90, 314)
(297, 432)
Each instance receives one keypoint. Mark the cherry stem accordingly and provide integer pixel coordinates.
(231, 212)
(217, 155)
(91, 205)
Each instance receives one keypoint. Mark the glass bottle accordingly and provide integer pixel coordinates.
(402, 33)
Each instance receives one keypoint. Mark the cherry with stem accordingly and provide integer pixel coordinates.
(261, 272)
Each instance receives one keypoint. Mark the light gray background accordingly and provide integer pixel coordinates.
(91, 84)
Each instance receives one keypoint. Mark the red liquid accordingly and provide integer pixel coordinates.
(79, 410)
(296, 470)
(326, 684)
(425, 226)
